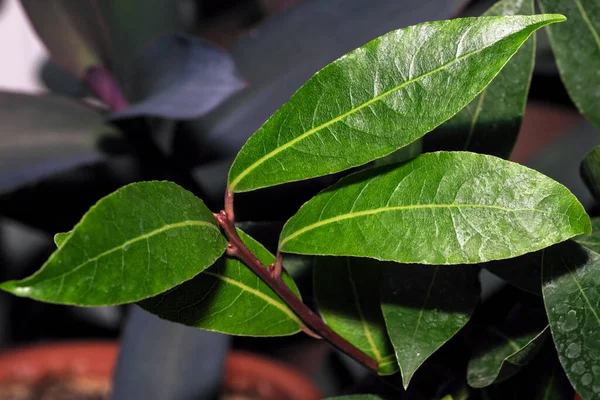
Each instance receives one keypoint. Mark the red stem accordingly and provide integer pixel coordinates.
(316, 325)
(105, 86)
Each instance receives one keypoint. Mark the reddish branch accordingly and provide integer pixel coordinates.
(315, 326)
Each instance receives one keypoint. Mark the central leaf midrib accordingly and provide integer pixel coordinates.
(257, 293)
(399, 208)
(130, 242)
(353, 110)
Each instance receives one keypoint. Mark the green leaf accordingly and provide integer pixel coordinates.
(439, 208)
(502, 355)
(70, 31)
(576, 46)
(379, 98)
(356, 397)
(424, 307)
(140, 241)
(228, 297)
(404, 154)
(490, 124)
(571, 282)
(347, 291)
(61, 238)
(590, 171)
(591, 241)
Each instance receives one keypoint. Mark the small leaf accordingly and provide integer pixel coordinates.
(590, 171)
(502, 355)
(490, 124)
(44, 134)
(61, 238)
(591, 241)
(576, 46)
(439, 208)
(571, 282)
(180, 77)
(228, 297)
(379, 98)
(140, 241)
(424, 307)
(347, 291)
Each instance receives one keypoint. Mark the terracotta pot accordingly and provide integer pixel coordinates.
(246, 375)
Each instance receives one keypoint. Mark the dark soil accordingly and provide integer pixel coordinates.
(56, 389)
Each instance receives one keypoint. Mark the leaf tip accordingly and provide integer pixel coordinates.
(12, 287)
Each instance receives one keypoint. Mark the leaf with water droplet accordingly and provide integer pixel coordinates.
(571, 278)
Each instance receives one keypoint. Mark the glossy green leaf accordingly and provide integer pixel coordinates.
(404, 154)
(424, 307)
(228, 297)
(379, 98)
(591, 241)
(502, 356)
(571, 290)
(590, 171)
(439, 208)
(347, 291)
(576, 46)
(490, 124)
(140, 241)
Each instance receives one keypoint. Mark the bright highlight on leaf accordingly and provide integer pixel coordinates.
(571, 277)
(229, 298)
(379, 98)
(439, 208)
(140, 241)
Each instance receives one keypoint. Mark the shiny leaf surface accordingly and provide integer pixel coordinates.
(591, 241)
(576, 47)
(571, 290)
(380, 97)
(424, 307)
(347, 291)
(439, 208)
(228, 297)
(490, 124)
(502, 356)
(139, 241)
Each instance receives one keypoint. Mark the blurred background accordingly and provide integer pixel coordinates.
(210, 72)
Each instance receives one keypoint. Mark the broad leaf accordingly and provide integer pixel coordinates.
(571, 282)
(501, 355)
(347, 291)
(42, 135)
(228, 297)
(490, 124)
(591, 241)
(380, 97)
(70, 31)
(180, 77)
(135, 243)
(590, 171)
(576, 46)
(424, 307)
(439, 208)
